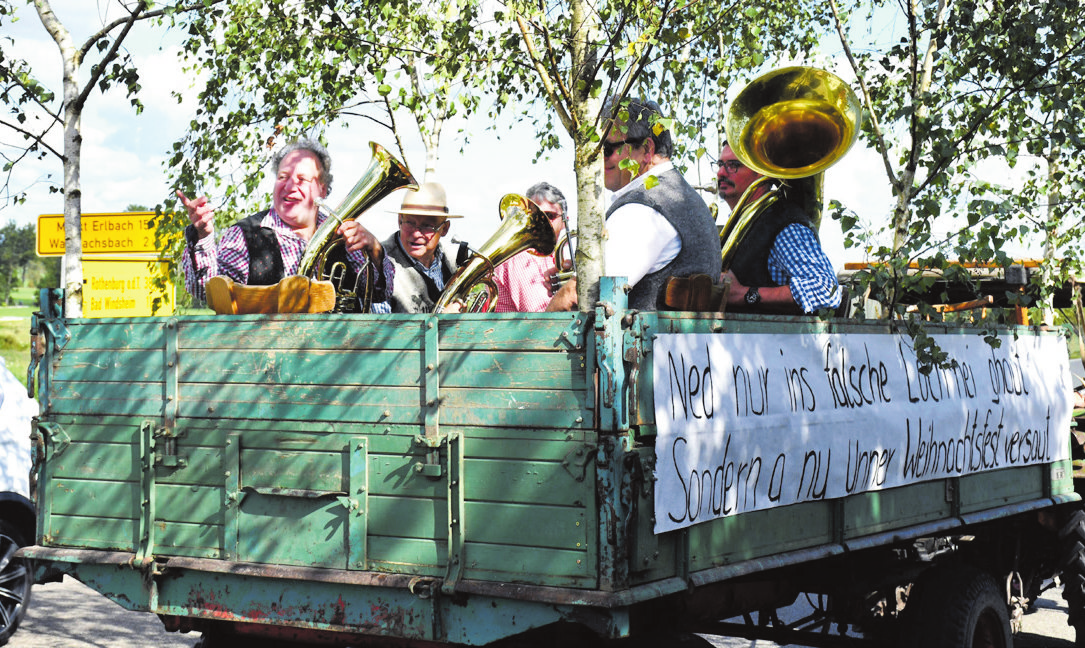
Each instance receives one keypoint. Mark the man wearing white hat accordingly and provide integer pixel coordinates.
(423, 262)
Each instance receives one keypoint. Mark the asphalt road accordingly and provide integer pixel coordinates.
(70, 615)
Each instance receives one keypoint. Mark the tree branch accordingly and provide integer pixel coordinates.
(566, 118)
(38, 139)
(155, 13)
(879, 137)
(97, 71)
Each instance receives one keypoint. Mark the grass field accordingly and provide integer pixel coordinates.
(24, 295)
(15, 339)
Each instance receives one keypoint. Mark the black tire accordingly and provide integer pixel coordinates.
(16, 581)
(1072, 572)
(958, 606)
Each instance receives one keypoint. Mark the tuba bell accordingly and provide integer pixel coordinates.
(325, 256)
(523, 227)
(788, 125)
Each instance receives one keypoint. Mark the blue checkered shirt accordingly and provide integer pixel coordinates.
(435, 271)
(797, 260)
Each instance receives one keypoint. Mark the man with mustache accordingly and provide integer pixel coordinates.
(779, 266)
(266, 247)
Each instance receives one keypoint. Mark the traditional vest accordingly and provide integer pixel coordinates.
(751, 260)
(265, 257)
(412, 290)
(689, 215)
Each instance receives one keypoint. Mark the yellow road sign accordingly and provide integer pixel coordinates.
(124, 287)
(123, 233)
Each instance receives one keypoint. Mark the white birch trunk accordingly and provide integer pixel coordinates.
(71, 268)
(591, 232)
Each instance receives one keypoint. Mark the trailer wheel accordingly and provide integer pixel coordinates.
(1072, 572)
(15, 581)
(959, 607)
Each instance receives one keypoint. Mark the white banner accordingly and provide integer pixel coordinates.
(754, 421)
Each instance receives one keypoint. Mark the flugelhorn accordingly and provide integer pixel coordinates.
(789, 124)
(523, 227)
(325, 256)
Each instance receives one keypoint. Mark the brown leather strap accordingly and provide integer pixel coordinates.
(697, 292)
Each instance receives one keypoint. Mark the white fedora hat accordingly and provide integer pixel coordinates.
(428, 200)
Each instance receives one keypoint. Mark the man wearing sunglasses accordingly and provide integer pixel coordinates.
(525, 282)
(423, 262)
(779, 266)
(657, 226)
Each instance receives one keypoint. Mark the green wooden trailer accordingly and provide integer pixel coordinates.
(466, 479)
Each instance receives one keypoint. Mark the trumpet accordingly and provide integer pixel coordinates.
(325, 256)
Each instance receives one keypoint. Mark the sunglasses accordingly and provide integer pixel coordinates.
(610, 147)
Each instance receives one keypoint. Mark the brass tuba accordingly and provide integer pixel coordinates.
(325, 256)
(523, 227)
(789, 124)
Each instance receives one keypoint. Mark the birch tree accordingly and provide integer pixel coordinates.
(975, 113)
(553, 62)
(37, 112)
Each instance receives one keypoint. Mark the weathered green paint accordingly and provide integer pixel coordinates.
(453, 478)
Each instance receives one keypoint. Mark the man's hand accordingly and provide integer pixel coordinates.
(357, 237)
(736, 296)
(200, 213)
(774, 299)
(564, 299)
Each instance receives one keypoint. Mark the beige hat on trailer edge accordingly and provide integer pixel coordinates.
(428, 200)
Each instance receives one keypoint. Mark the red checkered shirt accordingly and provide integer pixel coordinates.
(523, 283)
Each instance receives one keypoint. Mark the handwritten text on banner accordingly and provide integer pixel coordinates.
(755, 421)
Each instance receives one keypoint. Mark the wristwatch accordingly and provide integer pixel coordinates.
(753, 297)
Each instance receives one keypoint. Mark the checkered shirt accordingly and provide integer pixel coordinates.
(523, 283)
(797, 260)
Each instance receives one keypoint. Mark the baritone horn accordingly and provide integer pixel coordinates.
(523, 227)
(325, 256)
(789, 125)
(564, 255)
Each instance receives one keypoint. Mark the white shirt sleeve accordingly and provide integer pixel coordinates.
(639, 241)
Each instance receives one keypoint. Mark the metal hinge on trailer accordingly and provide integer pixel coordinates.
(51, 320)
(635, 346)
(163, 445)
